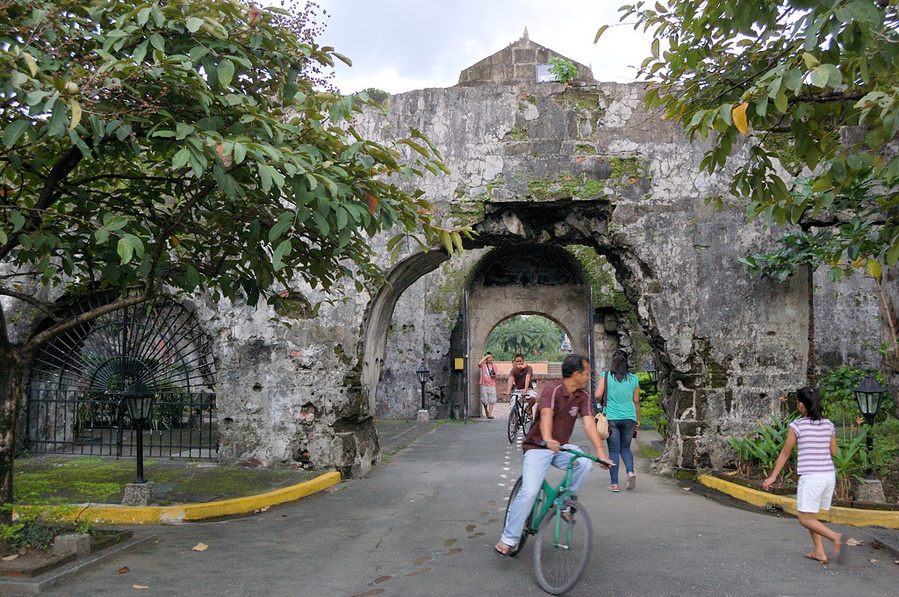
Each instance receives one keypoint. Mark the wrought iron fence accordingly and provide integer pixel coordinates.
(77, 382)
(181, 425)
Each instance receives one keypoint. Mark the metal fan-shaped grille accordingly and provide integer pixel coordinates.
(77, 383)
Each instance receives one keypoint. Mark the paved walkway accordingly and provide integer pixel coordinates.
(424, 523)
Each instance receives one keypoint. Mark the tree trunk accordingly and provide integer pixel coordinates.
(810, 369)
(13, 372)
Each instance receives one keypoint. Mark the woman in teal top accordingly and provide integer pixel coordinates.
(622, 409)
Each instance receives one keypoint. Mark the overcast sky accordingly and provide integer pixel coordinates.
(401, 45)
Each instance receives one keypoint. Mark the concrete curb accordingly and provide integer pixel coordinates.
(190, 512)
(11, 586)
(849, 516)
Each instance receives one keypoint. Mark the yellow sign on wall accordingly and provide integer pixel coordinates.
(459, 364)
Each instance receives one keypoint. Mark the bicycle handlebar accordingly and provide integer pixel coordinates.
(579, 454)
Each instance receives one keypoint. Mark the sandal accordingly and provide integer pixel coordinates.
(502, 550)
(613, 488)
(631, 482)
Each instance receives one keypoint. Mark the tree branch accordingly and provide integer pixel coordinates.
(56, 330)
(38, 304)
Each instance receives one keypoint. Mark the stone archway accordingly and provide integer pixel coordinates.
(530, 280)
(380, 312)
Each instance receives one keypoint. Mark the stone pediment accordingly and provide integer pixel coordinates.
(516, 64)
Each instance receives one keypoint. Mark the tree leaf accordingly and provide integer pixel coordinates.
(873, 267)
(225, 72)
(181, 158)
(76, 113)
(14, 132)
(194, 24)
(125, 250)
(283, 249)
(739, 117)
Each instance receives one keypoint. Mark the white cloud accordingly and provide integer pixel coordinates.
(400, 45)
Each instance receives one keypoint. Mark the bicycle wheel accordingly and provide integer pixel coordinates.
(513, 423)
(525, 422)
(524, 534)
(562, 549)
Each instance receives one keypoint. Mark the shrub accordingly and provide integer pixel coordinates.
(758, 451)
(564, 70)
(838, 400)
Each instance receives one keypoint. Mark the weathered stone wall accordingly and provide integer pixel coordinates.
(526, 157)
(532, 165)
(848, 322)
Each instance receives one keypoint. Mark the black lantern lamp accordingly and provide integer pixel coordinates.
(653, 376)
(868, 394)
(138, 401)
(422, 379)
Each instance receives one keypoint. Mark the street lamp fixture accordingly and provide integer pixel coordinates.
(653, 376)
(138, 401)
(422, 379)
(868, 394)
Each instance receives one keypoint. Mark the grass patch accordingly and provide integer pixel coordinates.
(57, 480)
(649, 452)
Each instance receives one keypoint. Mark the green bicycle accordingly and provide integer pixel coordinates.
(563, 529)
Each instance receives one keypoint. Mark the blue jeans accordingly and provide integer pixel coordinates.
(621, 432)
(533, 471)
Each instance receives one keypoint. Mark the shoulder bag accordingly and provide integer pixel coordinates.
(602, 423)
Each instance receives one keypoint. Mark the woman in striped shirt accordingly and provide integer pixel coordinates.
(817, 445)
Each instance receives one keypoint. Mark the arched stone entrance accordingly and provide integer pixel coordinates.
(529, 279)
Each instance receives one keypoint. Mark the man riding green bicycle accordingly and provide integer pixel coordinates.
(560, 405)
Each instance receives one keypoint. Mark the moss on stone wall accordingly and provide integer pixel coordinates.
(627, 170)
(564, 187)
(446, 299)
(292, 305)
(582, 99)
(606, 293)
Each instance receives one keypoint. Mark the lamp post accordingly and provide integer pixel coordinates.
(138, 401)
(422, 379)
(868, 394)
(653, 376)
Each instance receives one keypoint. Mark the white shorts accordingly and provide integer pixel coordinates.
(488, 395)
(815, 492)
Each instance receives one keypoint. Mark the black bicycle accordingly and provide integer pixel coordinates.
(518, 415)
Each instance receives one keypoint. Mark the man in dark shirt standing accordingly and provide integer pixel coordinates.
(560, 406)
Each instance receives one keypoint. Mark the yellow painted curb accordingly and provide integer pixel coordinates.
(856, 517)
(184, 512)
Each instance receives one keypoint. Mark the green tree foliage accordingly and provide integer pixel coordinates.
(819, 77)
(528, 335)
(181, 144)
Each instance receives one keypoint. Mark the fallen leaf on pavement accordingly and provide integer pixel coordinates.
(699, 535)
(873, 561)
(201, 547)
(123, 570)
(10, 558)
(896, 562)
(686, 488)
(139, 587)
(852, 542)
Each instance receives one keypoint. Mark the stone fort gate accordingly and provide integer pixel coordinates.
(536, 166)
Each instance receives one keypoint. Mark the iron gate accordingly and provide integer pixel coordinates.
(76, 385)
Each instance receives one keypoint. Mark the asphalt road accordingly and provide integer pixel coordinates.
(425, 522)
